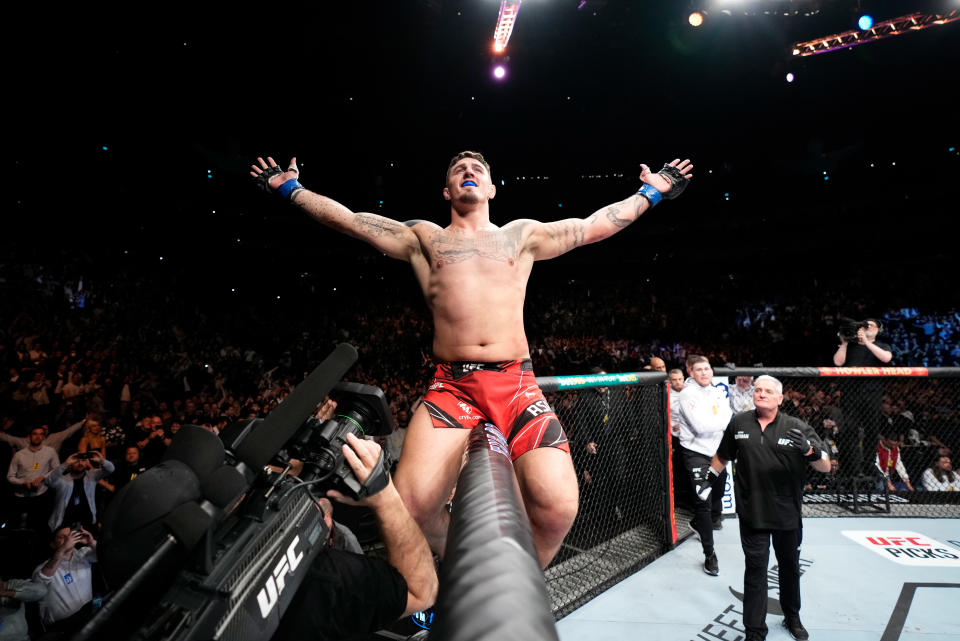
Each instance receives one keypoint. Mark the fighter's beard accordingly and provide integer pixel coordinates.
(469, 197)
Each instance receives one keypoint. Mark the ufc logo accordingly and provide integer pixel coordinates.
(269, 594)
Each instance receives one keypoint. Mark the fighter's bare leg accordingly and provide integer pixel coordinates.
(427, 473)
(548, 483)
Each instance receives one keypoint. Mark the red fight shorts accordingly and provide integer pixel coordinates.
(462, 395)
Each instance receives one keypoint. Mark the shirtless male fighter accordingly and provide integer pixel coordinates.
(474, 277)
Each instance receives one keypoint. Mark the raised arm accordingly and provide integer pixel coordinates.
(549, 240)
(395, 239)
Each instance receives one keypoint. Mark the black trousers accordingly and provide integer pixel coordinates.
(705, 512)
(756, 552)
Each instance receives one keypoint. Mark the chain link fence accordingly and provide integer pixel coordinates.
(891, 433)
(632, 509)
(617, 425)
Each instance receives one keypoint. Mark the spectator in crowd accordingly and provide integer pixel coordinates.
(68, 578)
(28, 469)
(74, 484)
(150, 440)
(675, 380)
(741, 394)
(126, 470)
(940, 476)
(115, 435)
(93, 438)
(54, 440)
(74, 388)
(14, 593)
(888, 461)
(657, 364)
(703, 415)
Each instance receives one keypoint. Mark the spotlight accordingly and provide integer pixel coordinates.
(790, 77)
(865, 22)
(499, 72)
(695, 19)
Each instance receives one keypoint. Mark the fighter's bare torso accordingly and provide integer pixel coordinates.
(474, 283)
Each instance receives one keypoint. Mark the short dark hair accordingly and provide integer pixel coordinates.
(693, 359)
(476, 155)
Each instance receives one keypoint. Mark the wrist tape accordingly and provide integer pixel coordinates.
(287, 188)
(651, 194)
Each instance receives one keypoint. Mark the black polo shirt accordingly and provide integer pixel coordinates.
(768, 480)
(345, 595)
(860, 356)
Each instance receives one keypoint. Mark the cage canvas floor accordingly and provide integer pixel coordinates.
(884, 579)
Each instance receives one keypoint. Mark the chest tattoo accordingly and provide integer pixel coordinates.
(498, 245)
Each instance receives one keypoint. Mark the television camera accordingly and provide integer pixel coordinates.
(213, 543)
(849, 328)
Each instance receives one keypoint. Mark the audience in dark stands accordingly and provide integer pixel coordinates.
(117, 365)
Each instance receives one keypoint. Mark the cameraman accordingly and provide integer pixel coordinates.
(866, 352)
(862, 417)
(347, 594)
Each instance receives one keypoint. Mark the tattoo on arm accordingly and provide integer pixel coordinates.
(568, 235)
(413, 223)
(613, 215)
(372, 225)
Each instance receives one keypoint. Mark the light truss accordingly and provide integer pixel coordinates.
(894, 27)
(508, 16)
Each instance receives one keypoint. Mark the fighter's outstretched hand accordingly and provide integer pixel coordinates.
(269, 176)
(671, 180)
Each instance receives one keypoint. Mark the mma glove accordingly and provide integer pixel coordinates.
(285, 190)
(703, 479)
(795, 441)
(677, 180)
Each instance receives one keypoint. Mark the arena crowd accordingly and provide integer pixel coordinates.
(110, 368)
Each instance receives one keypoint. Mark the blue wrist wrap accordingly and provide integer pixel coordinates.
(287, 188)
(647, 192)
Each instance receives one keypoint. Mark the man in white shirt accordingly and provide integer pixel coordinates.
(702, 416)
(741, 394)
(28, 468)
(68, 578)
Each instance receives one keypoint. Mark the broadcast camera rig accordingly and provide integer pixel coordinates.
(211, 545)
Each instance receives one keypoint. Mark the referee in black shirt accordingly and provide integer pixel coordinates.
(771, 451)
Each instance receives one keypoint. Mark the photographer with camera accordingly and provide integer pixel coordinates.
(68, 579)
(862, 417)
(346, 594)
(859, 346)
(74, 484)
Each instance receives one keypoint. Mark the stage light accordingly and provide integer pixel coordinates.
(695, 19)
(499, 72)
(865, 22)
(509, 9)
(790, 77)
